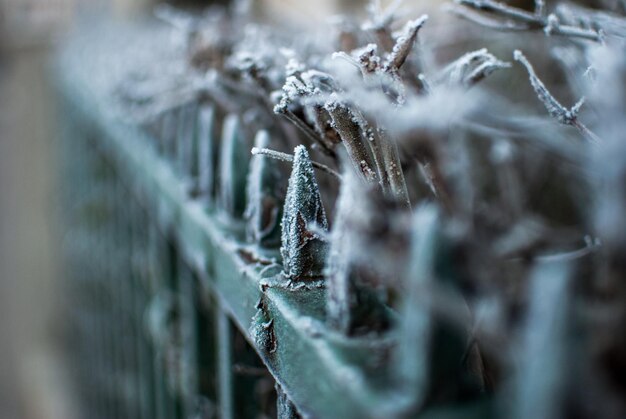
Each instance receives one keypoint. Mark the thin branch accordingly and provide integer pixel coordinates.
(518, 19)
(278, 155)
(473, 16)
(555, 109)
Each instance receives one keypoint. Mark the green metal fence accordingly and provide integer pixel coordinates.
(173, 312)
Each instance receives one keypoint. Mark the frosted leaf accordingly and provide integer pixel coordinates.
(303, 251)
(293, 89)
(319, 81)
(471, 68)
(347, 124)
(404, 44)
(367, 59)
(265, 194)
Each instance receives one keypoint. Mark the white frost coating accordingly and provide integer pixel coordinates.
(404, 43)
(301, 84)
(471, 67)
(555, 109)
(552, 24)
(303, 251)
(294, 67)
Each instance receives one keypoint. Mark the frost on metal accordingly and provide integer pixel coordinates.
(303, 250)
(285, 408)
(232, 168)
(265, 195)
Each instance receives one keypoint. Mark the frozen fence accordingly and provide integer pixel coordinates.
(262, 226)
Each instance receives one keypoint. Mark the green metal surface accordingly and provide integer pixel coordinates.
(170, 247)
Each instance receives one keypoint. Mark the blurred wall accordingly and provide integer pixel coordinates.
(28, 251)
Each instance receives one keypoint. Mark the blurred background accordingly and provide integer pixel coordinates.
(33, 381)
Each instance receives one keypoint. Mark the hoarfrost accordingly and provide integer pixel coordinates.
(303, 251)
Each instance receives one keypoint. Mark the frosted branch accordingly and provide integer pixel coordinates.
(278, 155)
(512, 18)
(555, 109)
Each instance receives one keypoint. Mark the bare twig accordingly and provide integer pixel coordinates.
(512, 18)
(555, 109)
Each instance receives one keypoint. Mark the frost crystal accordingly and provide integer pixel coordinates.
(303, 251)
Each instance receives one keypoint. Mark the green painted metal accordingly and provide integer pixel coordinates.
(164, 260)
